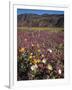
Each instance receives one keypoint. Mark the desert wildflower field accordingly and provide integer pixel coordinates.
(40, 53)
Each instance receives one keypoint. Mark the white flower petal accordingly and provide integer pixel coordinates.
(59, 71)
(50, 67)
(49, 50)
(44, 60)
(34, 67)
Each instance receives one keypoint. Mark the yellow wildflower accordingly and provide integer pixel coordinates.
(39, 50)
(34, 61)
(38, 60)
(30, 57)
(50, 67)
(21, 50)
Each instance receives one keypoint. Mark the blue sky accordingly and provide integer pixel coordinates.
(40, 12)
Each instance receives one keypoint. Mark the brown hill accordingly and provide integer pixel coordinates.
(45, 20)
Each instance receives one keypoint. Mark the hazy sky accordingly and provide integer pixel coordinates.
(40, 12)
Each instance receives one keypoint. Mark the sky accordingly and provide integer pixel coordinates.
(39, 12)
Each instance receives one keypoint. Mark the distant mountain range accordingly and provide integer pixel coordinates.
(45, 20)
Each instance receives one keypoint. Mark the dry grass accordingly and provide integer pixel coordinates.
(51, 29)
